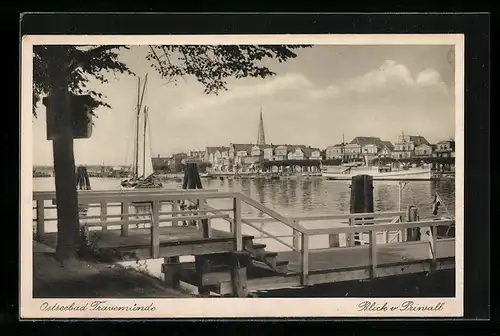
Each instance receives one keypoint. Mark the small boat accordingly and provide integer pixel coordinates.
(387, 173)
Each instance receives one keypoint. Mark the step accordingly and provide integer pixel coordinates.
(258, 246)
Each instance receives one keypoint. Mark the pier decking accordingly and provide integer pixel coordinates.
(232, 263)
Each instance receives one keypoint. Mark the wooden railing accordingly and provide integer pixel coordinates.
(339, 219)
(373, 246)
(155, 198)
(356, 223)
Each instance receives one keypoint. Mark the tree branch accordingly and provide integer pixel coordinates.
(89, 54)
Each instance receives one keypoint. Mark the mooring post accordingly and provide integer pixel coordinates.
(171, 269)
(412, 234)
(239, 274)
(202, 264)
(361, 199)
(192, 180)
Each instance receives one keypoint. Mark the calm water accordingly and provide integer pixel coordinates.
(313, 196)
(293, 198)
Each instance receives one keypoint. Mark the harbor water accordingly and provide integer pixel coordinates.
(292, 197)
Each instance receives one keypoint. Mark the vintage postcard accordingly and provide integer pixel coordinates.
(242, 176)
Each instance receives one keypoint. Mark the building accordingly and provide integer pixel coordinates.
(385, 150)
(423, 150)
(218, 157)
(404, 148)
(335, 151)
(445, 148)
(281, 153)
(196, 155)
(161, 164)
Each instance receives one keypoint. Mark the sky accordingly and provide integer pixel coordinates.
(327, 91)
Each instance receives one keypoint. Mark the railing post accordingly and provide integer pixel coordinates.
(155, 230)
(412, 216)
(237, 223)
(175, 207)
(305, 259)
(433, 242)
(124, 211)
(333, 240)
(350, 236)
(205, 223)
(40, 219)
(104, 214)
(373, 253)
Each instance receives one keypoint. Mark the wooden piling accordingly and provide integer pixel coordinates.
(361, 198)
(202, 264)
(192, 180)
(171, 270)
(239, 274)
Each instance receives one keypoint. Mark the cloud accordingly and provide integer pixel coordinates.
(269, 88)
(390, 78)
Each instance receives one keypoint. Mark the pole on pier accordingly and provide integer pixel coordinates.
(412, 234)
(192, 180)
(361, 199)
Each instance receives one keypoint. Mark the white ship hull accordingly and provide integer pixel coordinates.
(411, 174)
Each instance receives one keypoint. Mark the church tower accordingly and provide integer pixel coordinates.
(261, 137)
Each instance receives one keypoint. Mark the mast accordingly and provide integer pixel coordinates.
(136, 145)
(144, 142)
(140, 98)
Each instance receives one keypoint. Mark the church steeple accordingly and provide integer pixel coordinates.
(261, 137)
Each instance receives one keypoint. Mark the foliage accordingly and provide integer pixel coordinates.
(211, 65)
(85, 64)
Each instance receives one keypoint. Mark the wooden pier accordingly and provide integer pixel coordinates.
(231, 263)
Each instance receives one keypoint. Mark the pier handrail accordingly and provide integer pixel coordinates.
(372, 231)
(379, 227)
(332, 217)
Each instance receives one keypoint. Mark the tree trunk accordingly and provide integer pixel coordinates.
(64, 160)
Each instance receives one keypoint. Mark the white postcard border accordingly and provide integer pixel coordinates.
(231, 307)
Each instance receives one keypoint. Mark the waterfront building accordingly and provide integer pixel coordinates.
(335, 151)
(385, 150)
(445, 148)
(218, 157)
(405, 147)
(423, 151)
(268, 153)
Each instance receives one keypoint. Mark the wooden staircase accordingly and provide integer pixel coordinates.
(259, 263)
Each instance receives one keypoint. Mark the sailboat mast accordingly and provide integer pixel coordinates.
(144, 142)
(136, 145)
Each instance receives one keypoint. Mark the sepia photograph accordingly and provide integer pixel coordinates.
(173, 173)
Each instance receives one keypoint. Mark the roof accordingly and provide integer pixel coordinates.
(363, 141)
(388, 144)
(212, 150)
(418, 140)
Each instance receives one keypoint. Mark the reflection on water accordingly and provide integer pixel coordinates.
(309, 196)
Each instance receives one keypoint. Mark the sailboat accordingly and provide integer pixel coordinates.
(142, 174)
